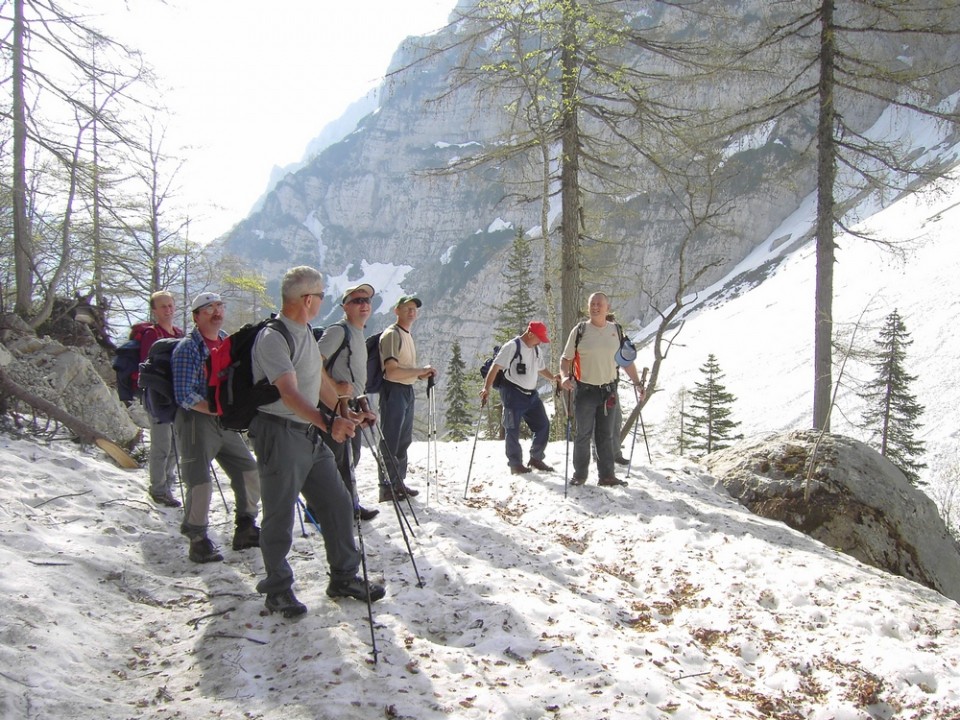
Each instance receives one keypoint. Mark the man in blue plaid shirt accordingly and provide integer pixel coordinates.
(201, 439)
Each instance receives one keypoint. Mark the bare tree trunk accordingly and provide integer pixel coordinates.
(826, 178)
(22, 232)
(570, 283)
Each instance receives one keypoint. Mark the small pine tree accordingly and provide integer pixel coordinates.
(458, 416)
(892, 414)
(513, 314)
(709, 425)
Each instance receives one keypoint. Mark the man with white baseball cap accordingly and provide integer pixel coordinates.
(201, 439)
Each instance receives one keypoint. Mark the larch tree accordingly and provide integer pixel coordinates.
(847, 60)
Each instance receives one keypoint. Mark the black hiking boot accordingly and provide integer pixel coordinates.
(362, 513)
(611, 482)
(355, 588)
(247, 534)
(519, 469)
(166, 499)
(409, 491)
(203, 551)
(540, 465)
(575, 480)
(621, 460)
(387, 495)
(285, 603)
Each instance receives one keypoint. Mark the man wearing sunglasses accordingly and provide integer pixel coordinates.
(344, 354)
(201, 439)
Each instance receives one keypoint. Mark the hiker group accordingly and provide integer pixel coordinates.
(301, 393)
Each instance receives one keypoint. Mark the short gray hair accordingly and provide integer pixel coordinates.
(298, 281)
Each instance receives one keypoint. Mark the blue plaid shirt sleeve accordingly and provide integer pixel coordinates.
(189, 376)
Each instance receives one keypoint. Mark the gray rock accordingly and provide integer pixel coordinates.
(855, 501)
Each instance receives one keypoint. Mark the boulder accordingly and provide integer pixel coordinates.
(65, 377)
(855, 500)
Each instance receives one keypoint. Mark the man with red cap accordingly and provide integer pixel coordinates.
(521, 363)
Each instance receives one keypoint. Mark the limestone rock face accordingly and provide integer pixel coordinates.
(393, 204)
(856, 501)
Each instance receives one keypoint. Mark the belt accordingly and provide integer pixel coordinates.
(294, 425)
(607, 387)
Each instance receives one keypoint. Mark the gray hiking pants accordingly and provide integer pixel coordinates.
(200, 441)
(293, 460)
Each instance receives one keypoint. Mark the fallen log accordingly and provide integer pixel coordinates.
(85, 433)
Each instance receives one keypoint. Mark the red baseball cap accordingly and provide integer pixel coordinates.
(540, 330)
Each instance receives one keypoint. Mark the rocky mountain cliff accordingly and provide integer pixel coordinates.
(381, 206)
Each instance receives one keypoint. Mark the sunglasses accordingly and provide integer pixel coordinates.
(318, 295)
(359, 301)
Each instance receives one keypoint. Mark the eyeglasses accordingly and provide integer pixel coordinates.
(209, 308)
(318, 295)
(359, 301)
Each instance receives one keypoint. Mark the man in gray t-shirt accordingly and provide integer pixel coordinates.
(292, 458)
(344, 352)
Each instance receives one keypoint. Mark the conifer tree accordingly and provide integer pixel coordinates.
(709, 425)
(457, 415)
(513, 314)
(893, 413)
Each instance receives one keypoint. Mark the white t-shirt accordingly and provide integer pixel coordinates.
(529, 356)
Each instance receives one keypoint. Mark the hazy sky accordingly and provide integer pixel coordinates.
(252, 82)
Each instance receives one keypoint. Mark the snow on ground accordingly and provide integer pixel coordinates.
(661, 600)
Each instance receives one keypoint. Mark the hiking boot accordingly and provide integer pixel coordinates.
(409, 490)
(203, 551)
(247, 534)
(387, 495)
(166, 499)
(540, 465)
(621, 460)
(519, 469)
(362, 513)
(576, 480)
(611, 482)
(355, 588)
(285, 603)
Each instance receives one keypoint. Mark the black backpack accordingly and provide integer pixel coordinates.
(374, 366)
(231, 391)
(488, 363)
(126, 363)
(156, 380)
(328, 362)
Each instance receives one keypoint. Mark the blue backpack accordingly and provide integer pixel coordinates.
(156, 381)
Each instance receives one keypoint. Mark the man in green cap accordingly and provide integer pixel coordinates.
(398, 356)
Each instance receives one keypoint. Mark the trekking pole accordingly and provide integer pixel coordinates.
(565, 397)
(176, 455)
(633, 444)
(643, 383)
(303, 510)
(348, 450)
(396, 472)
(436, 451)
(476, 436)
(222, 496)
(401, 517)
(429, 430)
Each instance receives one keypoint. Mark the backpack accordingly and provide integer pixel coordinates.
(231, 392)
(374, 366)
(328, 363)
(156, 381)
(488, 363)
(126, 363)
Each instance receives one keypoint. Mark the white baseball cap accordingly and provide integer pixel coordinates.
(204, 299)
